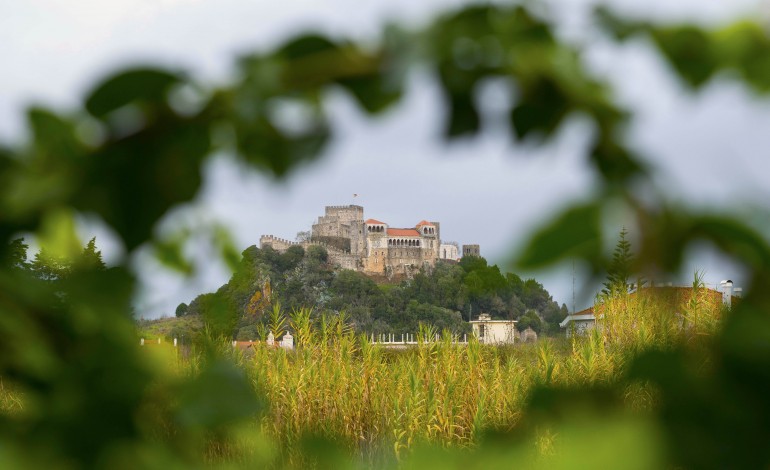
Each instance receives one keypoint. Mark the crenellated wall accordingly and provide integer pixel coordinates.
(276, 243)
(343, 232)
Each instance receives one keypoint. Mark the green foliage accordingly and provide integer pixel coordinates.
(91, 398)
(620, 269)
(530, 320)
(181, 310)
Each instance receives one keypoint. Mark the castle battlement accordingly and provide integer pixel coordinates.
(277, 243)
(341, 231)
(350, 206)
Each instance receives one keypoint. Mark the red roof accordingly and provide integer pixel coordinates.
(423, 222)
(374, 221)
(403, 232)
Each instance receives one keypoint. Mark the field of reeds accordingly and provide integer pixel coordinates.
(375, 406)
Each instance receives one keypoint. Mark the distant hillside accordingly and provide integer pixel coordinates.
(446, 296)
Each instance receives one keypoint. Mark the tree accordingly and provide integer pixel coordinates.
(132, 179)
(619, 271)
(181, 310)
(48, 267)
(16, 256)
(91, 258)
(530, 320)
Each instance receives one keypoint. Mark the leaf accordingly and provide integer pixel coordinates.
(734, 238)
(202, 403)
(54, 137)
(133, 181)
(574, 233)
(689, 51)
(541, 108)
(130, 86)
(169, 253)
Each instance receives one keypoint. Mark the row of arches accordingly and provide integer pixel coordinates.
(403, 242)
(429, 230)
(375, 228)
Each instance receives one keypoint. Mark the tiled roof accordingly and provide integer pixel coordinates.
(403, 232)
(423, 222)
(374, 221)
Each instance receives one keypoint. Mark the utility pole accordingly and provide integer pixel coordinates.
(573, 286)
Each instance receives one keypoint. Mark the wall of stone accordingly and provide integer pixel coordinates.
(342, 231)
(277, 243)
(357, 237)
(345, 214)
(471, 250)
(449, 251)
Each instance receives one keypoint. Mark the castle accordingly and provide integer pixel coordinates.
(373, 247)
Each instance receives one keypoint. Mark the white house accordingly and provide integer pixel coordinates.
(579, 322)
(490, 331)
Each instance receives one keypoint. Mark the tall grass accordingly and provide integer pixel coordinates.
(380, 404)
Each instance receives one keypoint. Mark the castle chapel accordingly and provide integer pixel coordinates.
(372, 246)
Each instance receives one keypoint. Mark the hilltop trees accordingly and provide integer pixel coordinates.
(47, 266)
(446, 296)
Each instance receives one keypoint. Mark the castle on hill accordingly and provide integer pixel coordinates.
(372, 246)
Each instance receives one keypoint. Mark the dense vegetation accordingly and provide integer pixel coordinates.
(446, 296)
(337, 399)
(77, 391)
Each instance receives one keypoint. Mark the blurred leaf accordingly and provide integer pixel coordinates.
(745, 46)
(615, 162)
(734, 238)
(218, 396)
(147, 85)
(55, 141)
(541, 108)
(689, 51)
(133, 181)
(170, 254)
(224, 241)
(58, 235)
(573, 234)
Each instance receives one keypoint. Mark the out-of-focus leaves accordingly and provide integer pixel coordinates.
(574, 233)
(139, 85)
(54, 138)
(76, 363)
(131, 182)
(58, 235)
(541, 107)
(734, 238)
(689, 50)
(716, 416)
(696, 54)
(202, 401)
(746, 47)
(223, 240)
(170, 254)
(616, 163)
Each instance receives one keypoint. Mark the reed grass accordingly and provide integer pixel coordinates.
(379, 404)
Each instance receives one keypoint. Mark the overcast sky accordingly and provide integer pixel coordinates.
(710, 148)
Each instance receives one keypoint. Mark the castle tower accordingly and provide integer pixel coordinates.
(471, 250)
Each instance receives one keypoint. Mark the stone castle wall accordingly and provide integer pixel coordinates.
(343, 232)
(344, 259)
(276, 243)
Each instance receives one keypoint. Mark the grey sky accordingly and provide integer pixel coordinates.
(709, 147)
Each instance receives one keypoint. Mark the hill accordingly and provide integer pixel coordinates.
(446, 296)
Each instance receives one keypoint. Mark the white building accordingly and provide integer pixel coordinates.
(490, 331)
(580, 322)
(449, 251)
